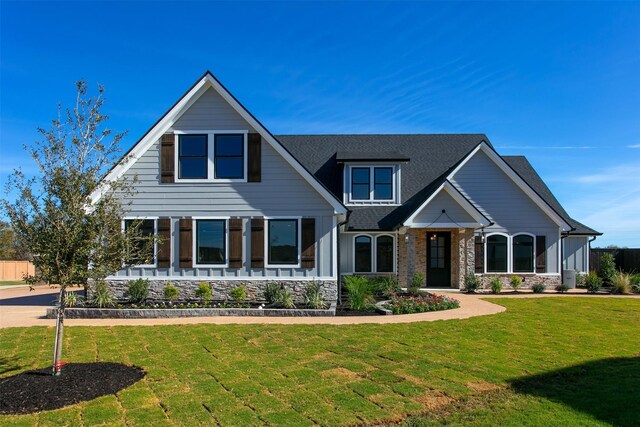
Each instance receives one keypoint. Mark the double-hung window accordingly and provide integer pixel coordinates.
(211, 156)
(371, 184)
(142, 250)
(211, 242)
(283, 245)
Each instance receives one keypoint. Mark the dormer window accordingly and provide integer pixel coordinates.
(372, 184)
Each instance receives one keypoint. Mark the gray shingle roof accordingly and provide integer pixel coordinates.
(432, 157)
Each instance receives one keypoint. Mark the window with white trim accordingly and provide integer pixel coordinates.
(497, 253)
(211, 241)
(143, 252)
(211, 156)
(372, 184)
(523, 253)
(283, 243)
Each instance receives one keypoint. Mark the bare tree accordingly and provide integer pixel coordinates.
(74, 241)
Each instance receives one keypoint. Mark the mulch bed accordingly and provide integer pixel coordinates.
(348, 312)
(38, 390)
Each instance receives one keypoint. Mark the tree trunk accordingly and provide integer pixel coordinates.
(57, 346)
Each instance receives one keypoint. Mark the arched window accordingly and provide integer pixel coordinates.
(523, 254)
(362, 258)
(497, 253)
(384, 254)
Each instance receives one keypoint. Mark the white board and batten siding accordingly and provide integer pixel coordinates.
(576, 253)
(282, 192)
(511, 210)
(432, 213)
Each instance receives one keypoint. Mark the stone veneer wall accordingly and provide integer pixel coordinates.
(528, 280)
(412, 254)
(221, 288)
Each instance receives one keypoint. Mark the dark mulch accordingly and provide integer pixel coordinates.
(38, 390)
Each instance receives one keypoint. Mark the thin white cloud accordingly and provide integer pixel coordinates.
(627, 174)
(633, 146)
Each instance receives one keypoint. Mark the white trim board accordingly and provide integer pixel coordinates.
(228, 278)
(481, 220)
(504, 166)
(154, 134)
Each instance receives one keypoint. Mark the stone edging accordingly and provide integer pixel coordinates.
(157, 313)
(380, 308)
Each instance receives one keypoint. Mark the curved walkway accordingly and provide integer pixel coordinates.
(21, 307)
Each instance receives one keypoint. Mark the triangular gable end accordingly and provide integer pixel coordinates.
(459, 212)
(179, 108)
(517, 179)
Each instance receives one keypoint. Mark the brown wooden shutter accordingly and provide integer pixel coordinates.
(164, 246)
(479, 250)
(235, 243)
(308, 243)
(167, 161)
(257, 243)
(541, 254)
(254, 158)
(186, 243)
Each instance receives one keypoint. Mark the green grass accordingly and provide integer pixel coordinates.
(12, 282)
(546, 361)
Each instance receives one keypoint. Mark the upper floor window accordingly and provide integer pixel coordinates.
(192, 157)
(371, 184)
(211, 156)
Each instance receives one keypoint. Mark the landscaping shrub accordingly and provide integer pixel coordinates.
(621, 283)
(635, 283)
(538, 288)
(239, 294)
(562, 288)
(607, 269)
(516, 282)
(71, 299)
(496, 285)
(204, 292)
(171, 292)
(138, 291)
(402, 304)
(472, 283)
(592, 282)
(271, 292)
(359, 292)
(417, 282)
(285, 298)
(102, 296)
(313, 296)
(386, 287)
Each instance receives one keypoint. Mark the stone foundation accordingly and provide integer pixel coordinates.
(528, 280)
(221, 288)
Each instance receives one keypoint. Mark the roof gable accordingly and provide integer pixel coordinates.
(206, 82)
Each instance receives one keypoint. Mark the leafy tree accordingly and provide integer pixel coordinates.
(9, 246)
(607, 268)
(76, 240)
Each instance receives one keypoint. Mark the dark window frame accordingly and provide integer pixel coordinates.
(368, 183)
(393, 251)
(225, 245)
(488, 253)
(205, 156)
(154, 232)
(532, 260)
(376, 184)
(242, 156)
(270, 262)
(355, 254)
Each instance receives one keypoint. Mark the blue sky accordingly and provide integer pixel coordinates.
(557, 82)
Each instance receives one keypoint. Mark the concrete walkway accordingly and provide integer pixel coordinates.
(21, 307)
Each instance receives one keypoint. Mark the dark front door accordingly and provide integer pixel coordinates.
(439, 259)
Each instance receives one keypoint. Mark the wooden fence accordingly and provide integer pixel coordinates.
(15, 270)
(627, 260)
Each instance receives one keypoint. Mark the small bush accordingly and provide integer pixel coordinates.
(204, 292)
(417, 282)
(359, 292)
(562, 288)
(496, 285)
(239, 294)
(138, 291)
(635, 283)
(472, 283)
(386, 287)
(171, 292)
(592, 282)
(538, 288)
(71, 299)
(621, 283)
(516, 282)
(272, 292)
(313, 296)
(102, 296)
(285, 299)
(607, 270)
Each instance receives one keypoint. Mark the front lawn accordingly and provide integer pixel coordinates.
(12, 282)
(546, 361)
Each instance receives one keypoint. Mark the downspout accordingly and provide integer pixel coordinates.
(339, 276)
